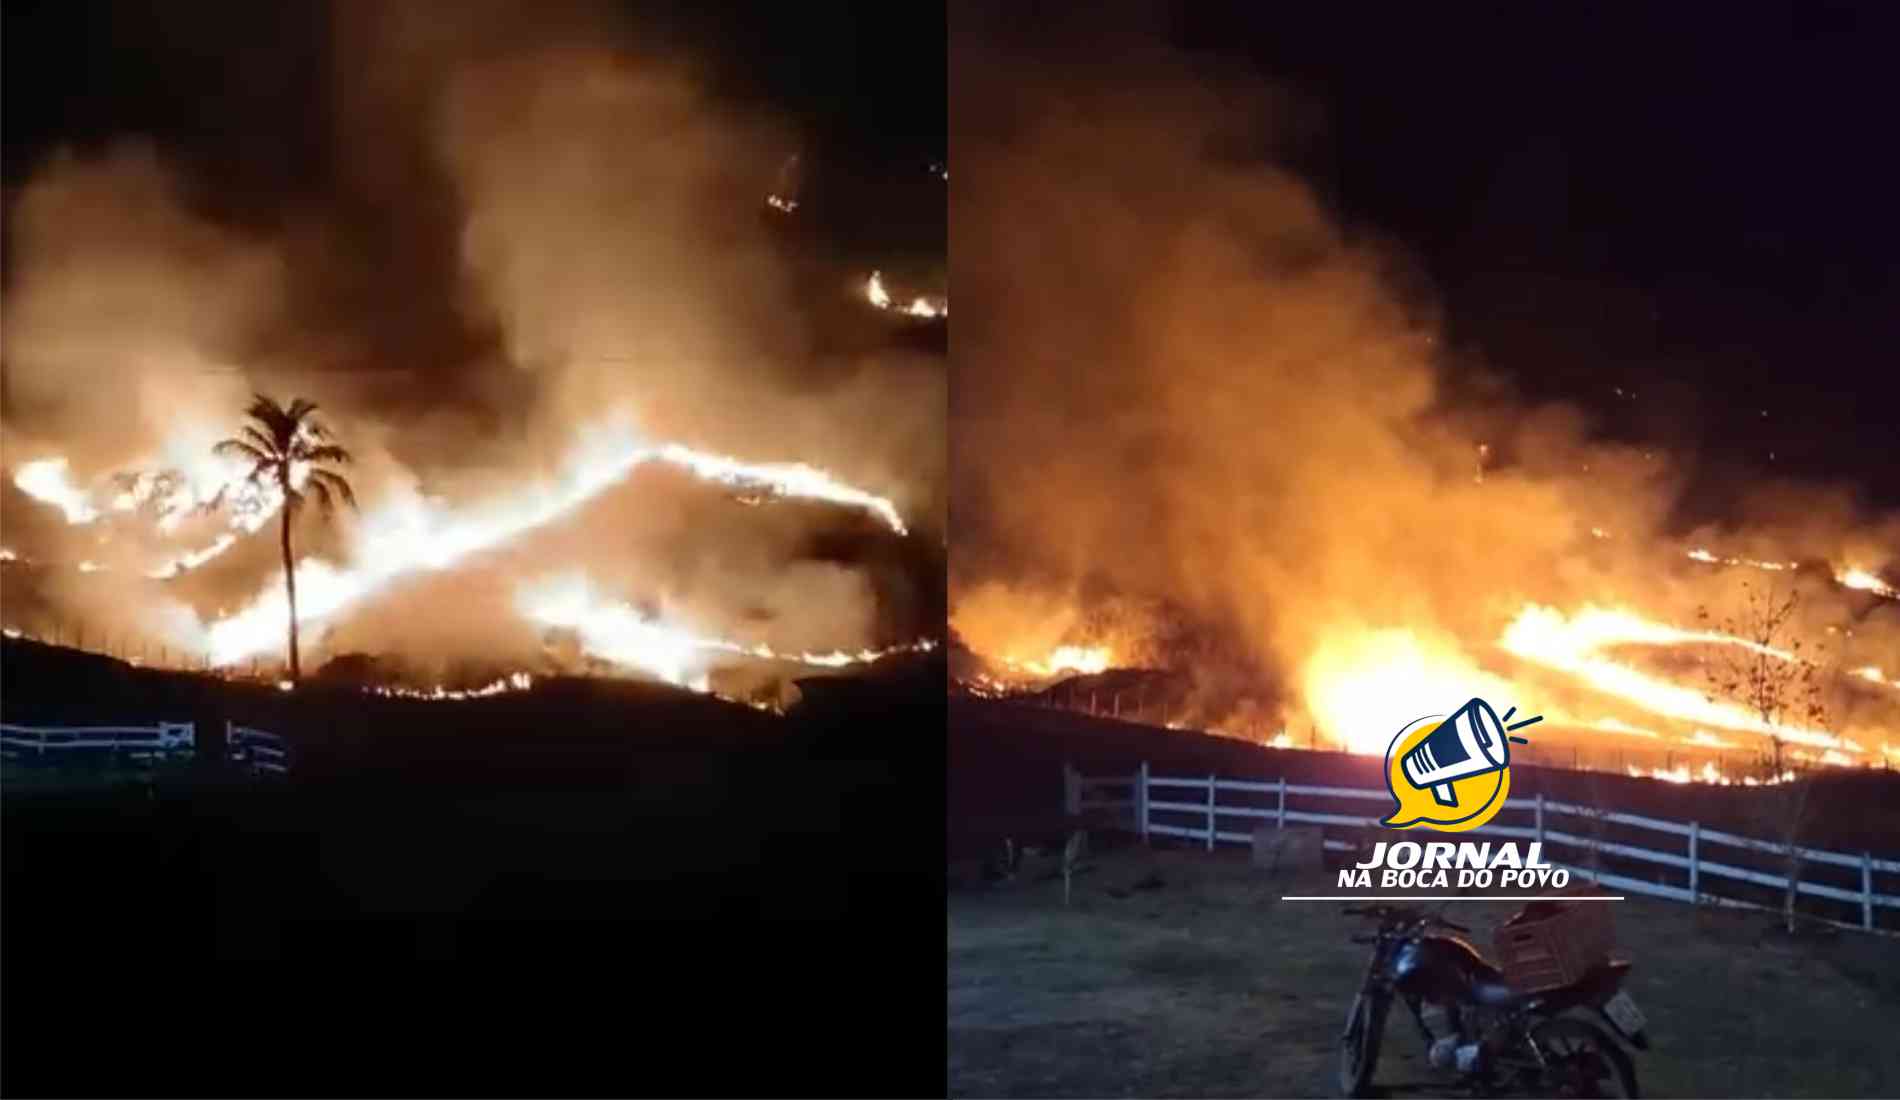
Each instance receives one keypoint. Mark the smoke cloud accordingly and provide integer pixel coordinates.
(527, 224)
(1186, 391)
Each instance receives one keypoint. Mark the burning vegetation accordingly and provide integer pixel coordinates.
(925, 308)
(1200, 425)
(573, 347)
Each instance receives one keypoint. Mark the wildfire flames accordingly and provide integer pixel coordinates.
(925, 308)
(1575, 646)
(618, 633)
(518, 681)
(410, 534)
(1707, 773)
(46, 481)
(1848, 576)
(194, 559)
(1357, 685)
(1702, 555)
(1068, 658)
(1873, 675)
(1865, 581)
(1207, 426)
(169, 495)
(576, 334)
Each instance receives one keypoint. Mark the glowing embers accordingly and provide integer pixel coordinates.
(784, 194)
(618, 633)
(1707, 558)
(924, 308)
(1847, 576)
(515, 681)
(1710, 773)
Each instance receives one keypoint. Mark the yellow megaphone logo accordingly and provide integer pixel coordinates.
(1451, 773)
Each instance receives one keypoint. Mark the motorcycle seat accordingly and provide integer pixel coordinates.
(1495, 994)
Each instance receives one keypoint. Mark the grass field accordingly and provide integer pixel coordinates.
(1209, 985)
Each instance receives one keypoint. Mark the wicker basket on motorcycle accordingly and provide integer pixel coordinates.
(1553, 942)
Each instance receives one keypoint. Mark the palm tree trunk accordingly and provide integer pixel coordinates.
(290, 589)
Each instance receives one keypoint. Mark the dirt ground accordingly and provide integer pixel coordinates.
(1207, 984)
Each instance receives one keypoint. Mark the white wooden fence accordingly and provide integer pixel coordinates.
(256, 751)
(1083, 795)
(137, 742)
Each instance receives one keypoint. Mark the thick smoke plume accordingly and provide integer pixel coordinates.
(1186, 391)
(528, 223)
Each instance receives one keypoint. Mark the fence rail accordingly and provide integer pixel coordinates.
(139, 742)
(1139, 804)
(256, 750)
(249, 749)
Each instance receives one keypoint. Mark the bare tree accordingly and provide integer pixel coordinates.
(1782, 681)
(1787, 808)
(1769, 675)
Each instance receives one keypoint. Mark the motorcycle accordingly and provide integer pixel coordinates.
(1497, 1039)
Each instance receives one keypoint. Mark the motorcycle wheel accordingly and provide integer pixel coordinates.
(1584, 1060)
(1359, 1046)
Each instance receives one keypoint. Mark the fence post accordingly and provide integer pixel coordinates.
(1695, 839)
(1210, 813)
(1794, 882)
(1540, 817)
(1071, 788)
(1281, 822)
(1141, 802)
(1867, 890)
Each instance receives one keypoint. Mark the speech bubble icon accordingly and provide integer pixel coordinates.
(1474, 799)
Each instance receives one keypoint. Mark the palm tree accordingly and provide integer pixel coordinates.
(286, 446)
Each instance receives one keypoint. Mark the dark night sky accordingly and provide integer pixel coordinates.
(1700, 204)
(864, 75)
